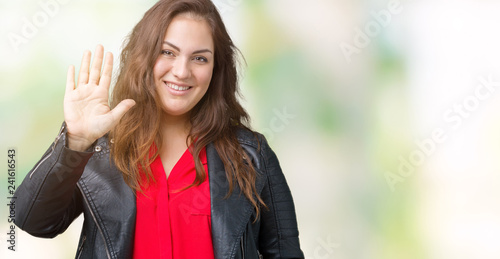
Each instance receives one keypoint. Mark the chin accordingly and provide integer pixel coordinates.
(175, 112)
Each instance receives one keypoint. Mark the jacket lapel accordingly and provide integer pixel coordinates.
(230, 215)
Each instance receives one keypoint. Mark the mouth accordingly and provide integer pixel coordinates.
(177, 87)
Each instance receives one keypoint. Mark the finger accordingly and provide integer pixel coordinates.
(120, 110)
(70, 79)
(83, 74)
(95, 70)
(107, 71)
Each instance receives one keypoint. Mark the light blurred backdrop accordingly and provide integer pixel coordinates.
(384, 113)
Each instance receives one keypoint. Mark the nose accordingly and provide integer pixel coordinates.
(181, 69)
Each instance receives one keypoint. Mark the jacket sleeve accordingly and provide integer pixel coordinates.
(279, 235)
(48, 200)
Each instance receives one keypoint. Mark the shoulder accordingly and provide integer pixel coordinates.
(255, 145)
(250, 138)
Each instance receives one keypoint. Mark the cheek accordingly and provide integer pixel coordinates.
(204, 77)
(160, 68)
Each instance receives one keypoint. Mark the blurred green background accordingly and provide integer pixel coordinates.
(384, 114)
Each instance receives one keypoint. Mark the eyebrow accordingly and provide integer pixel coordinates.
(178, 49)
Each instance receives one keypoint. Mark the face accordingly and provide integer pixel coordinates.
(183, 70)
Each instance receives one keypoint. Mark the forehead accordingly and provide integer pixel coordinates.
(189, 31)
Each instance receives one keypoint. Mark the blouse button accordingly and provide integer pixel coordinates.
(97, 148)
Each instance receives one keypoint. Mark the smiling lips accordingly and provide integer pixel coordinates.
(176, 87)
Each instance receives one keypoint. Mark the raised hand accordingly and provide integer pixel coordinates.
(86, 109)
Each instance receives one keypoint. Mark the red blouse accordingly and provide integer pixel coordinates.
(172, 223)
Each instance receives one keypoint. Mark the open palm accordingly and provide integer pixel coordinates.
(86, 109)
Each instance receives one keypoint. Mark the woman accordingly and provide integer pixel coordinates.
(169, 170)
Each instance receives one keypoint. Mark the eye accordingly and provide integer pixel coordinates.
(167, 52)
(201, 59)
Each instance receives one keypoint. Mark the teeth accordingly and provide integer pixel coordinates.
(178, 88)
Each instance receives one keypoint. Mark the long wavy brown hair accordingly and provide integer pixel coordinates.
(215, 119)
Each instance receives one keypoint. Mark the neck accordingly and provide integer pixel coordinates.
(175, 128)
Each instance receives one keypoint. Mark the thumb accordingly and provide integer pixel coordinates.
(122, 108)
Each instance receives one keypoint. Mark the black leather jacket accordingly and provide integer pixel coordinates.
(65, 183)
